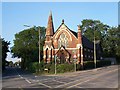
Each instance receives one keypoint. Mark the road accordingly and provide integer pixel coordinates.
(105, 77)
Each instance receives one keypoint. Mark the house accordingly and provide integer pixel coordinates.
(67, 44)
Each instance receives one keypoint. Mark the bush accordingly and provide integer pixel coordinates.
(88, 64)
(78, 67)
(61, 68)
(33, 66)
(99, 63)
(50, 67)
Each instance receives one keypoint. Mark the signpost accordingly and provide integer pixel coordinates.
(75, 60)
(55, 64)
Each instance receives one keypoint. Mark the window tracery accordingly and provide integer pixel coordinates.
(63, 41)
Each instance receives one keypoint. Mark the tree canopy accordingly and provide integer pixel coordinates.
(26, 45)
(4, 49)
(108, 36)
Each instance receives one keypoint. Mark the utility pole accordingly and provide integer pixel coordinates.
(94, 49)
(39, 44)
(39, 38)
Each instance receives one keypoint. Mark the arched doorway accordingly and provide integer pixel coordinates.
(63, 55)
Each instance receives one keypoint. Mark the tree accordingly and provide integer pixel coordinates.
(90, 26)
(112, 43)
(4, 50)
(108, 36)
(26, 45)
(11, 63)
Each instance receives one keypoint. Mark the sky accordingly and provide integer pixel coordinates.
(17, 14)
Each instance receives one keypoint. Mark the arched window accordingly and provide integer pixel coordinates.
(63, 40)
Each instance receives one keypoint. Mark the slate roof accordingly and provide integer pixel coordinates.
(86, 43)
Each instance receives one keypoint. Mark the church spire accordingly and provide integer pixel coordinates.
(50, 27)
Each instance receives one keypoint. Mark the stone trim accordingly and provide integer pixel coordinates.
(68, 48)
(65, 31)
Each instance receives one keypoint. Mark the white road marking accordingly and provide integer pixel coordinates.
(92, 78)
(45, 85)
(59, 81)
(83, 79)
(27, 80)
(21, 77)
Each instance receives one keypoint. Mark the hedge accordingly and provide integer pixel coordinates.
(35, 67)
(99, 63)
(61, 68)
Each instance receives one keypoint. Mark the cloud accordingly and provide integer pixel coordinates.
(9, 58)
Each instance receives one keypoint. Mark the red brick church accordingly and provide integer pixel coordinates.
(66, 44)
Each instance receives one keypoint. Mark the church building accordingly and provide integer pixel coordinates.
(67, 44)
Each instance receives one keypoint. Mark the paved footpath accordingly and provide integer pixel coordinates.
(105, 77)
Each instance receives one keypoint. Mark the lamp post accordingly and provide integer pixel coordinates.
(39, 38)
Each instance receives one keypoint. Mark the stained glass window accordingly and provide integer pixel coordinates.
(63, 40)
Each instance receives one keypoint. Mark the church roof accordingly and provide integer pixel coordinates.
(86, 42)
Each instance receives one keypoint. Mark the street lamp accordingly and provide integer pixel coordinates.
(39, 38)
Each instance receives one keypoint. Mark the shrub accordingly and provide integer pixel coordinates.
(101, 63)
(61, 68)
(33, 66)
(88, 64)
(50, 66)
(78, 67)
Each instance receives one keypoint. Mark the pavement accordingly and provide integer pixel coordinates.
(105, 77)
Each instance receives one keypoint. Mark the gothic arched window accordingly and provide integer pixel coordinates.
(63, 40)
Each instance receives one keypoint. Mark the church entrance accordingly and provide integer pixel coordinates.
(63, 55)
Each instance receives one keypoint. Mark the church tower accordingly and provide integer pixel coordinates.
(50, 28)
(48, 47)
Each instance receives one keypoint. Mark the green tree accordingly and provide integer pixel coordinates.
(4, 50)
(11, 63)
(89, 27)
(26, 45)
(112, 43)
(108, 36)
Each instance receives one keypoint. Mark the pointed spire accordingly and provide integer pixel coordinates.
(50, 27)
(63, 21)
(50, 13)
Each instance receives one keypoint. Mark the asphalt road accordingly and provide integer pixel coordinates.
(105, 77)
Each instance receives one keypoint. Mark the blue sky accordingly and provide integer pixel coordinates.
(15, 15)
